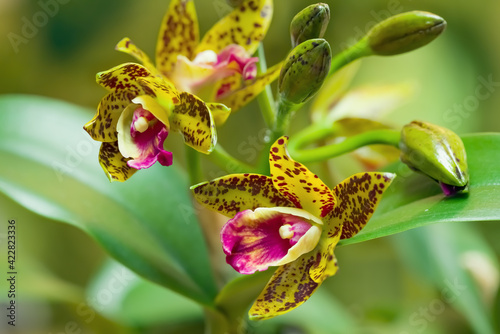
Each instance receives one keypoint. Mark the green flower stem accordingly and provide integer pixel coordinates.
(265, 99)
(314, 133)
(216, 323)
(227, 162)
(285, 111)
(358, 50)
(311, 134)
(193, 165)
(385, 136)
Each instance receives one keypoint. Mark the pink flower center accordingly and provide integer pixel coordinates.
(255, 240)
(149, 134)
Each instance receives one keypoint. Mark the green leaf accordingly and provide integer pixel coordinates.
(414, 200)
(136, 302)
(460, 263)
(147, 223)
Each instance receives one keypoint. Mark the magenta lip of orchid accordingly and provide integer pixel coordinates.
(142, 137)
(255, 240)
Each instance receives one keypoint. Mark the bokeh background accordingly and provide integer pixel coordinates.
(381, 285)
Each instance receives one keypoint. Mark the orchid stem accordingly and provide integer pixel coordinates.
(280, 128)
(193, 165)
(227, 162)
(216, 323)
(285, 112)
(265, 99)
(385, 136)
(358, 50)
(311, 134)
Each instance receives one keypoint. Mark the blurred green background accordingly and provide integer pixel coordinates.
(381, 284)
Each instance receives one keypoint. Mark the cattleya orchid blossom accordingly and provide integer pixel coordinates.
(291, 220)
(146, 102)
(219, 68)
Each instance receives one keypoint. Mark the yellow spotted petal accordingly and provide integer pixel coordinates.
(124, 79)
(326, 263)
(289, 287)
(357, 199)
(294, 181)
(246, 25)
(179, 35)
(161, 90)
(103, 126)
(239, 98)
(114, 164)
(220, 112)
(127, 46)
(192, 118)
(234, 193)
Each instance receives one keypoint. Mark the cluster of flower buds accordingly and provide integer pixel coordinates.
(308, 64)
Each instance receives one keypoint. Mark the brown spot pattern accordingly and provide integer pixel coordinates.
(220, 112)
(289, 287)
(246, 26)
(358, 197)
(103, 126)
(113, 163)
(179, 35)
(161, 88)
(123, 79)
(295, 182)
(326, 263)
(234, 193)
(192, 118)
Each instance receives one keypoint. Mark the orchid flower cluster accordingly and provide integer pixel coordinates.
(280, 213)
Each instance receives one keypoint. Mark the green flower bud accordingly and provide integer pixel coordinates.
(436, 152)
(304, 71)
(404, 32)
(311, 22)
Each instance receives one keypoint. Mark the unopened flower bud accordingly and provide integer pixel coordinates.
(404, 32)
(436, 152)
(311, 22)
(304, 71)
